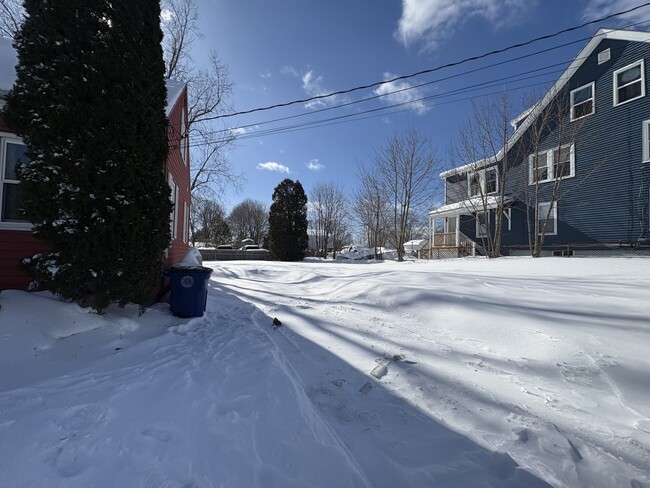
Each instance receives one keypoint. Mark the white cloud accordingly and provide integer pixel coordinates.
(314, 165)
(312, 85)
(265, 75)
(239, 131)
(596, 9)
(407, 96)
(431, 21)
(272, 166)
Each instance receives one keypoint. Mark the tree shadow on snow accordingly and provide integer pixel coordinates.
(392, 442)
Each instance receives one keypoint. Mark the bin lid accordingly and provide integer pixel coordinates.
(190, 269)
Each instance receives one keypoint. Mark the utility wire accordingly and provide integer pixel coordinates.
(412, 87)
(357, 116)
(437, 68)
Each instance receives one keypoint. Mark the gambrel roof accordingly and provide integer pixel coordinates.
(535, 110)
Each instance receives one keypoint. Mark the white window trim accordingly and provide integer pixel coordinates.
(593, 101)
(482, 181)
(645, 138)
(615, 83)
(550, 176)
(541, 217)
(174, 200)
(186, 222)
(184, 139)
(8, 138)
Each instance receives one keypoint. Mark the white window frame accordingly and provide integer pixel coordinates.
(186, 222)
(541, 217)
(645, 138)
(7, 138)
(184, 139)
(482, 181)
(642, 80)
(173, 221)
(550, 174)
(592, 85)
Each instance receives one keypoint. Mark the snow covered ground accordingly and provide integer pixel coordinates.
(492, 373)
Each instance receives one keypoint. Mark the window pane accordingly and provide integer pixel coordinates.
(582, 95)
(12, 203)
(562, 162)
(15, 153)
(583, 109)
(490, 181)
(539, 167)
(629, 92)
(474, 185)
(629, 75)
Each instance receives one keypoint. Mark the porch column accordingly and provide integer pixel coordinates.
(457, 230)
(432, 235)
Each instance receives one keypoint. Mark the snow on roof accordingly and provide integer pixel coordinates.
(415, 245)
(601, 35)
(469, 206)
(174, 90)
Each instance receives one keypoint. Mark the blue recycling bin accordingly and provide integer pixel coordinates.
(189, 292)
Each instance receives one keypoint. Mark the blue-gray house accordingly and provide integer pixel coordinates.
(585, 178)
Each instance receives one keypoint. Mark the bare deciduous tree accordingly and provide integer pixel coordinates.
(483, 147)
(208, 223)
(407, 170)
(208, 91)
(249, 220)
(548, 166)
(327, 213)
(370, 208)
(11, 17)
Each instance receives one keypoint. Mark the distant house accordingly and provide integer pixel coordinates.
(16, 239)
(603, 172)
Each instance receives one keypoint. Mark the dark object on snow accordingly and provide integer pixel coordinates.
(276, 323)
(189, 292)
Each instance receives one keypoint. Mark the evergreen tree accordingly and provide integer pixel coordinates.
(89, 102)
(288, 239)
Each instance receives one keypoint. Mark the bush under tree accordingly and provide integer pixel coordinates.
(89, 102)
(288, 238)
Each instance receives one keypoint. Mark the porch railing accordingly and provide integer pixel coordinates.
(447, 240)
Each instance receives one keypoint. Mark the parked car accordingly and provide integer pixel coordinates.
(224, 246)
(249, 247)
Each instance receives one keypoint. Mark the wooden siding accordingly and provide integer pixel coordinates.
(179, 169)
(14, 246)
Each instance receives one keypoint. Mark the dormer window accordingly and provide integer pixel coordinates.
(629, 83)
(483, 182)
(582, 101)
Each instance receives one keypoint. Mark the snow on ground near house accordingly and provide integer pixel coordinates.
(492, 373)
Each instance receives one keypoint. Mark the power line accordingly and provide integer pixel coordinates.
(431, 70)
(357, 116)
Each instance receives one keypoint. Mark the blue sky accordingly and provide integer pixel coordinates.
(292, 49)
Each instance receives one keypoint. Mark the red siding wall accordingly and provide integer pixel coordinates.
(180, 172)
(16, 244)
